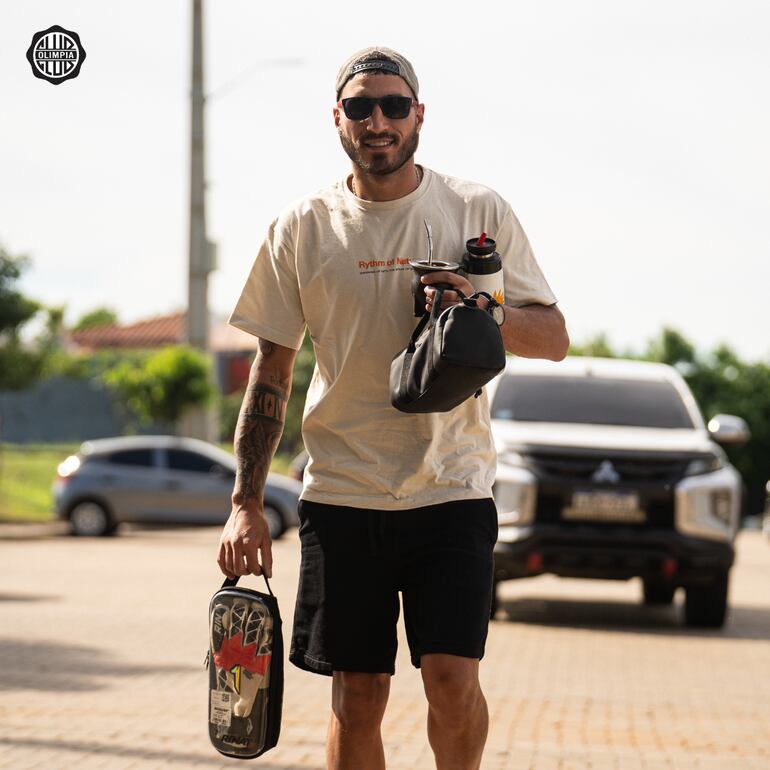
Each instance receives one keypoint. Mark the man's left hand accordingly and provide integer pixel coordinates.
(449, 297)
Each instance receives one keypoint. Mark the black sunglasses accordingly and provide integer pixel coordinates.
(361, 107)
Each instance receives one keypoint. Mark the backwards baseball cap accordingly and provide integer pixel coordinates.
(377, 59)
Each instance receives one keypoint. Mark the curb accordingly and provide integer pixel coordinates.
(32, 530)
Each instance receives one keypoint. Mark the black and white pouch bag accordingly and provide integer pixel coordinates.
(245, 665)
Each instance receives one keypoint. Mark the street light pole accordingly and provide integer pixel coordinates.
(199, 267)
(203, 423)
(200, 423)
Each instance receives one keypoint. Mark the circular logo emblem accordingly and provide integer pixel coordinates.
(56, 54)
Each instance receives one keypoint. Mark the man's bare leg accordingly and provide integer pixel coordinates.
(458, 719)
(354, 741)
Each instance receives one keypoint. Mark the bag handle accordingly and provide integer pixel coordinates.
(418, 330)
(473, 300)
(232, 582)
(435, 310)
(427, 316)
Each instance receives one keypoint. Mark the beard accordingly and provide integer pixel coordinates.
(384, 164)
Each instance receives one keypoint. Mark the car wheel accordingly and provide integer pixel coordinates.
(657, 592)
(90, 519)
(705, 605)
(275, 523)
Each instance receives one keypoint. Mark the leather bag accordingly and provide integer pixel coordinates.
(450, 357)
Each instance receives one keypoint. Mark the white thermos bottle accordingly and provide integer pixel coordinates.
(484, 267)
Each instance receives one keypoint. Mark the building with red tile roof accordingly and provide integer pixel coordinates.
(152, 333)
(233, 349)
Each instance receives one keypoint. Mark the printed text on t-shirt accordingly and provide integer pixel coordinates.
(382, 265)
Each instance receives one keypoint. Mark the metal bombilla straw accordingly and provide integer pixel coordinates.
(429, 230)
(423, 266)
(430, 240)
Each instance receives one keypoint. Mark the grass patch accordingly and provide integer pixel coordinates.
(27, 472)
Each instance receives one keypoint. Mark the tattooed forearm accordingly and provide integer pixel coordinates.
(261, 421)
(280, 381)
(267, 402)
(259, 430)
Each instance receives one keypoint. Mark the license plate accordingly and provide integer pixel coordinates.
(596, 505)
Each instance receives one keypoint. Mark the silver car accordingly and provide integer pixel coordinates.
(158, 479)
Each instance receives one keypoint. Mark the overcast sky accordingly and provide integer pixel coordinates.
(631, 139)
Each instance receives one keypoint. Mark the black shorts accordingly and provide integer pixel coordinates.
(354, 563)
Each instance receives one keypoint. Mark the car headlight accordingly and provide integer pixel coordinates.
(706, 464)
(69, 466)
(515, 489)
(721, 505)
(515, 502)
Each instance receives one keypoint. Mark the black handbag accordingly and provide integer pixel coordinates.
(450, 357)
(245, 663)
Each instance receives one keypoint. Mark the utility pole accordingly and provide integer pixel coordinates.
(200, 423)
(203, 423)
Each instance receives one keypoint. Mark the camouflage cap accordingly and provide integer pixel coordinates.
(377, 58)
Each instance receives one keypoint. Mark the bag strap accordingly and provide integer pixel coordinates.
(232, 582)
(435, 310)
(473, 300)
(431, 317)
(418, 330)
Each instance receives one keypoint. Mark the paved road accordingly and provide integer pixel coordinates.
(102, 643)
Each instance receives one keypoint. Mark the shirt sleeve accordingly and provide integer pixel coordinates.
(524, 282)
(270, 305)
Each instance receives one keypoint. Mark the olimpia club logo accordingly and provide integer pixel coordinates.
(56, 54)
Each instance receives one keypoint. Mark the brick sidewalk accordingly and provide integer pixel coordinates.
(102, 643)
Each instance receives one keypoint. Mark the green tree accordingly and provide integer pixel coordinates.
(229, 409)
(671, 348)
(15, 308)
(19, 367)
(598, 346)
(101, 316)
(160, 387)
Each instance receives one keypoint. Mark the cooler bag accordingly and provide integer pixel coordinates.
(451, 355)
(245, 664)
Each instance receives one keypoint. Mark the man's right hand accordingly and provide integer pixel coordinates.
(245, 546)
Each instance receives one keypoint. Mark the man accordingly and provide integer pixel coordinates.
(392, 502)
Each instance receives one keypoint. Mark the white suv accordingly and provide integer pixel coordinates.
(607, 470)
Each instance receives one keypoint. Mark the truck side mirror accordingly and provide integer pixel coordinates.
(729, 429)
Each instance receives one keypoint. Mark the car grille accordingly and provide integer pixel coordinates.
(570, 468)
(560, 474)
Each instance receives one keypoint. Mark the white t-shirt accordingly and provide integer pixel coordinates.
(339, 265)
